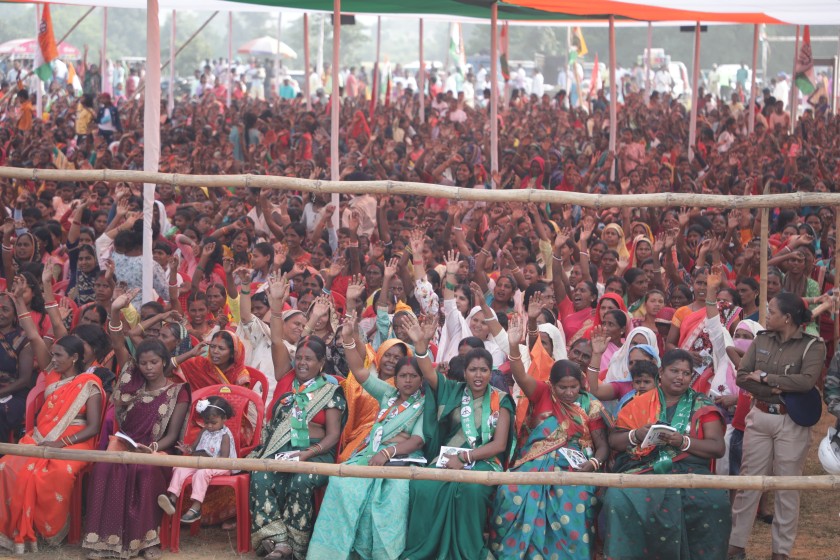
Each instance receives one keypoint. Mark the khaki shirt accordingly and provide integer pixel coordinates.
(792, 366)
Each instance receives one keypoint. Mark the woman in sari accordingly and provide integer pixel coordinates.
(535, 520)
(667, 523)
(224, 364)
(305, 425)
(698, 289)
(613, 236)
(35, 493)
(579, 311)
(16, 368)
(466, 424)
(361, 405)
(367, 517)
(608, 302)
(151, 407)
(635, 349)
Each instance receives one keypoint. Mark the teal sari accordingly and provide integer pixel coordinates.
(446, 520)
(366, 517)
(550, 521)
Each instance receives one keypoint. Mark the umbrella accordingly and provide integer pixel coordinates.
(267, 46)
(26, 48)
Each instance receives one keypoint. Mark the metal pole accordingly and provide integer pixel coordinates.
(39, 100)
(75, 25)
(306, 91)
(106, 87)
(494, 89)
(230, 59)
(648, 62)
(375, 78)
(335, 106)
(695, 82)
(753, 96)
(613, 99)
(170, 103)
(762, 287)
(151, 136)
(277, 62)
(794, 99)
(320, 62)
(421, 78)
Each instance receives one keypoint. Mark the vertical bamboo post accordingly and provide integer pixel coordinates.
(765, 233)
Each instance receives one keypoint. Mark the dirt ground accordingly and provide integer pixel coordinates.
(818, 538)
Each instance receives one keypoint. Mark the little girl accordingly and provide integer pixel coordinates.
(215, 440)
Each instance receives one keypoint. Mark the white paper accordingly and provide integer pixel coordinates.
(575, 458)
(443, 460)
(657, 435)
(288, 456)
(128, 439)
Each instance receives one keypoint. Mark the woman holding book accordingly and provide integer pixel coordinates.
(668, 522)
(567, 431)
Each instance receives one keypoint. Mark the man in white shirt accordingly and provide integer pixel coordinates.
(538, 87)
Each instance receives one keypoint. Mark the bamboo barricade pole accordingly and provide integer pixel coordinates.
(762, 287)
(598, 201)
(487, 478)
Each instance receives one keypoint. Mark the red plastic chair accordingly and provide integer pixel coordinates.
(35, 401)
(258, 378)
(239, 399)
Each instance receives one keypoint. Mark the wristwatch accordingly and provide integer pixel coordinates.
(763, 377)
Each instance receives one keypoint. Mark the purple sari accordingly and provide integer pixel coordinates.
(123, 518)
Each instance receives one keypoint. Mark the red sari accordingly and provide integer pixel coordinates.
(34, 492)
(201, 372)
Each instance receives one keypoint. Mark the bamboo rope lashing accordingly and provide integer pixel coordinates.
(487, 478)
(786, 200)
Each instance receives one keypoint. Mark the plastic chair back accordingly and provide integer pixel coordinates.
(35, 401)
(258, 378)
(243, 401)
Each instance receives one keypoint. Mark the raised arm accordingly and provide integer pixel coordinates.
(603, 391)
(52, 308)
(516, 330)
(421, 334)
(349, 330)
(116, 326)
(278, 293)
(39, 347)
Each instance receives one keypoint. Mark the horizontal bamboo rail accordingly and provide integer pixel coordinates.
(487, 478)
(787, 200)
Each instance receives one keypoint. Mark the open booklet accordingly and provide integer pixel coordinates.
(657, 435)
(127, 439)
(443, 460)
(575, 458)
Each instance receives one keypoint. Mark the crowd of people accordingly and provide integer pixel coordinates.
(479, 336)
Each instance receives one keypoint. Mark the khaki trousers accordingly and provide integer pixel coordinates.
(773, 444)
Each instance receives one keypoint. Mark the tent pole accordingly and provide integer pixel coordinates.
(151, 135)
(170, 103)
(753, 96)
(306, 63)
(335, 106)
(494, 89)
(421, 78)
(230, 60)
(320, 62)
(277, 62)
(648, 61)
(75, 25)
(39, 100)
(106, 86)
(375, 78)
(189, 40)
(613, 99)
(695, 83)
(794, 98)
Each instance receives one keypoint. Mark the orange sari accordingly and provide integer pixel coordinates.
(361, 406)
(200, 372)
(35, 493)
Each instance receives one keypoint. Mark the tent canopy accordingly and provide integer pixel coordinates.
(25, 48)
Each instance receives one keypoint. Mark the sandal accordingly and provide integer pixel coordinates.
(166, 504)
(266, 546)
(281, 551)
(191, 516)
(153, 553)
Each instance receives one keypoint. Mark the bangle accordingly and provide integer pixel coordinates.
(276, 315)
(307, 328)
(353, 245)
(515, 269)
(485, 252)
(686, 443)
(23, 316)
(534, 332)
(450, 286)
(595, 463)
(174, 362)
(513, 358)
(112, 328)
(491, 319)
(349, 346)
(593, 369)
(7, 248)
(142, 328)
(423, 355)
(175, 285)
(711, 303)
(455, 228)
(556, 258)
(245, 292)
(469, 457)
(154, 446)
(75, 223)
(631, 436)
(50, 305)
(584, 253)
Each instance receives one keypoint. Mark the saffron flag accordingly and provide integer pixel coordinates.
(503, 50)
(805, 78)
(593, 84)
(47, 50)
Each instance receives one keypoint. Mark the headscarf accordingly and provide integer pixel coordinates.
(648, 231)
(749, 325)
(387, 345)
(622, 244)
(636, 240)
(596, 318)
(360, 125)
(538, 178)
(618, 369)
(163, 219)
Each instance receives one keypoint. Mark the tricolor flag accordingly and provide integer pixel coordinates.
(503, 50)
(579, 47)
(47, 50)
(73, 80)
(805, 78)
(457, 56)
(593, 84)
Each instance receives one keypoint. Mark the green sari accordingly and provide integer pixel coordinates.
(666, 523)
(446, 520)
(282, 504)
(366, 517)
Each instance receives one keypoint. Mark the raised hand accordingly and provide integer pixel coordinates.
(243, 274)
(451, 259)
(122, 301)
(208, 249)
(599, 340)
(18, 287)
(516, 329)
(356, 288)
(64, 310)
(227, 265)
(429, 322)
(391, 268)
(320, 307)
(414, 329)
(417, 240)
(348, 327)
(278, 291)
(535, 306)
(714, 278)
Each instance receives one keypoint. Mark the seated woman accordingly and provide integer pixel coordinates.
(35, 493)
(305, 426)
(447, 519)
(652, 523)
(16, 365)
(224, 364)
(535, 519)
(150, 407)
(367, 516)
(635, 349)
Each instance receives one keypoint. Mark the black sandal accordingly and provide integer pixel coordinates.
(191, 516)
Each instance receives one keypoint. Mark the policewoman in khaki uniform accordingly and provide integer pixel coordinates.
(782, 359)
